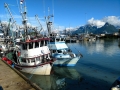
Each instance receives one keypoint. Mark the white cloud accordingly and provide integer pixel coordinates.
(56, 28)
(113, 20)
(97, 23)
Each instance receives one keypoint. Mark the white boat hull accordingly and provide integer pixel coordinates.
(39, 70)
(66, 62)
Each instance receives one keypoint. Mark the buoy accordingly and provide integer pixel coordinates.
(4, 58)
(9, 62)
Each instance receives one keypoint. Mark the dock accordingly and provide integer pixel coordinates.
(12, 79)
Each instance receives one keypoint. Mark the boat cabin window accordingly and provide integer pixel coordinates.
(52, 40)
(23, 60)
(31, 45)
(32, 60)
(57, 39)
(45, 42)
(42, 43)
(54, 51)
(28, 60)
(41, 57)
(62, 39)
(59, 51)
(36, 44)
(37, 58)
(24, 46)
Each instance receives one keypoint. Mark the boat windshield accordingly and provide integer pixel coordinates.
(45, 42)
(59, 51)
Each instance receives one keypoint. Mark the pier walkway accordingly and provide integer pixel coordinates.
(11, 79)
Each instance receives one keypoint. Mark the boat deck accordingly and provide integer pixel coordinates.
(11, 79)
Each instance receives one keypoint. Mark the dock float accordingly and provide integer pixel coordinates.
(12, 79)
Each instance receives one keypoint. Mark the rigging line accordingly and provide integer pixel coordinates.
(18, 5)
(11, 5)
(13, 12)
(25, 3)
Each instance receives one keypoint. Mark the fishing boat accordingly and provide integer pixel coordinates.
(64, 56)
(33, 57)
(32, 54)
(59, 50)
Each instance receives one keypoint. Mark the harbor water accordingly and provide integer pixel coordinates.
(96, 70)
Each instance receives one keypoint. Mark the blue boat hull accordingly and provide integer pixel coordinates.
(66, 62)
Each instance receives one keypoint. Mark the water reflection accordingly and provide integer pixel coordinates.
(102, 46)
(58, 80)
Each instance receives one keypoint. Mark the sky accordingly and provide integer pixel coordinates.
(67, 13)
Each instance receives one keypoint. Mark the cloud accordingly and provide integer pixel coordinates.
(56, 28)
(113, 20)
(97, 23)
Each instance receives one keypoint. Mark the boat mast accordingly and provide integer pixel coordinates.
(24, 17)
(49, 24)
(14, 22)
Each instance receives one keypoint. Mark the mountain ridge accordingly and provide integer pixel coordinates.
(107, 28)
